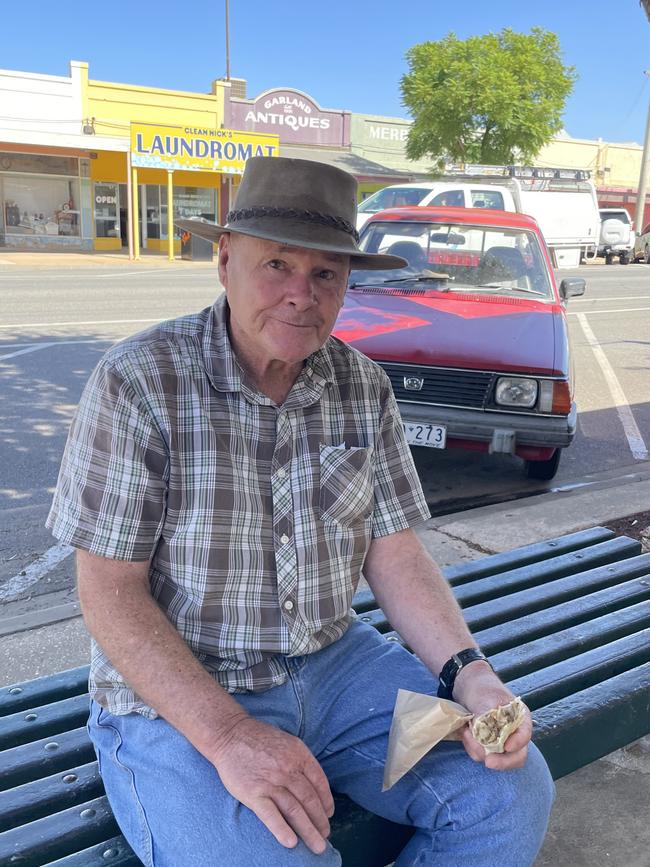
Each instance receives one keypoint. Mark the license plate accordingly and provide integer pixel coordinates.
(432, 435)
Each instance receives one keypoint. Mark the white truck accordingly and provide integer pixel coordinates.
(563, 201)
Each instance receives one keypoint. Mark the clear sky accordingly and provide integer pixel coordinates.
(346, 54)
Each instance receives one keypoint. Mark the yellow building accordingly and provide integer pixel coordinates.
(178, 151)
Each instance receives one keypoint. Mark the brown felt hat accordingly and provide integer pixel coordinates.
(300, 203)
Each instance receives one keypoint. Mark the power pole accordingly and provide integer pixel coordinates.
(643, 177)
(227, 42)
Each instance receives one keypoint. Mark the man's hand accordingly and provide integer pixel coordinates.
(275, 775)
(479, 689)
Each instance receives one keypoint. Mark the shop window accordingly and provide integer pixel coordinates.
(107, 223)
(41, 206)
(188, 202)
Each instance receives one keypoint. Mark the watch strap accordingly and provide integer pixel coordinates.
(453, 665)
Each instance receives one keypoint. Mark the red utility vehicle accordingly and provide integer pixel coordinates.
(472, 334)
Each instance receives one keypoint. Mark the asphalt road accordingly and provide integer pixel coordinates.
(55, 324)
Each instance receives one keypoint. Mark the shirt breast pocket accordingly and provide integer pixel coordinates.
(347, 490)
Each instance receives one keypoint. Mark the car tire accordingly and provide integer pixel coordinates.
(624, 259)
(544, 470)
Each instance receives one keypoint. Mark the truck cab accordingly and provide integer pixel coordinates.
(435, 194)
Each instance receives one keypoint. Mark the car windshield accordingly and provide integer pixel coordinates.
(457, 257)
(392, 197)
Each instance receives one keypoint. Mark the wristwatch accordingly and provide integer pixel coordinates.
(451, 668)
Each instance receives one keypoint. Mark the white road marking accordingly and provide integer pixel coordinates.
(601, 312)
(34, 572)
(62, 324)
(635, 440)
(34, 347)
(611, 298)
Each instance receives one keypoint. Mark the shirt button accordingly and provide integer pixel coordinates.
(282, 473)
(288, 605)
(284, 538)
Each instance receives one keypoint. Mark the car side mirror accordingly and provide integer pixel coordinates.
(570, 287)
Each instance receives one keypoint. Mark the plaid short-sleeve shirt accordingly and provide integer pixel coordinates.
(256, 518)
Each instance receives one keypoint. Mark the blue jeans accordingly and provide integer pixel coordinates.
(174, 811)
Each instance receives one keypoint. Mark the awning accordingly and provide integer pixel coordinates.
(62, 144)
(360, 167)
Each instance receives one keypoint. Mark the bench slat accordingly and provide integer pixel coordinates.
(566, 614)
(115, 852)
(496, 587)
(495, 617)
(41, 797)
(584, 727)
(59, 834)
(579, 672)
(493, 564)
(521, 660)
(498, 611)
(32, 761)
(43, 690)
(45, 721)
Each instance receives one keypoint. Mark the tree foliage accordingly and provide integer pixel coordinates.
(493, 99)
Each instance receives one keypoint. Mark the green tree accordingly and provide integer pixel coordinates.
(493, 99)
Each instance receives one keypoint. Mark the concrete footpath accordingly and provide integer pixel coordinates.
(600, 816)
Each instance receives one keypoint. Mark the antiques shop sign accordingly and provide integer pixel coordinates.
(293, 116)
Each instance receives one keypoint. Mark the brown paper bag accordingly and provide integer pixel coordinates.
(419, 723)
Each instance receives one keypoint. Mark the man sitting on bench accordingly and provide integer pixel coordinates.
(226, 478)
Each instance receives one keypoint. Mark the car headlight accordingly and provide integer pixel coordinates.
(516, 391)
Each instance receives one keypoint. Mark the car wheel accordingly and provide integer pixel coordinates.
(624, 258)
(544, 469)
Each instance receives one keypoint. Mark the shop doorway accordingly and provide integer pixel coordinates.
(124, 214)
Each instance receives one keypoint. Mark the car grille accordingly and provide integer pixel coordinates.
(441, 385)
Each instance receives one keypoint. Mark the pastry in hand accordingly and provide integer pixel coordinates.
(492, 729)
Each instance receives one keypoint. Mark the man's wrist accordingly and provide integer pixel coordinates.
(222, 735)
(478, 670)
(455, 665)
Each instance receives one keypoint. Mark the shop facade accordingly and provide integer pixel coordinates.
(45, 162)
(383, 140)
(183, 172)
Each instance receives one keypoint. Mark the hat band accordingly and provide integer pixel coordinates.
(293, 214)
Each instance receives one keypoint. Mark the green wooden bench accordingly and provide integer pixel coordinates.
(565, 622)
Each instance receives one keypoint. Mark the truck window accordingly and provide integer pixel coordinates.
(622, 215)
(491, 199)
(449, 199)
(392, 197)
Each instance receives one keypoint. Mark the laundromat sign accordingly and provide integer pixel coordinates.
(197, 149)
